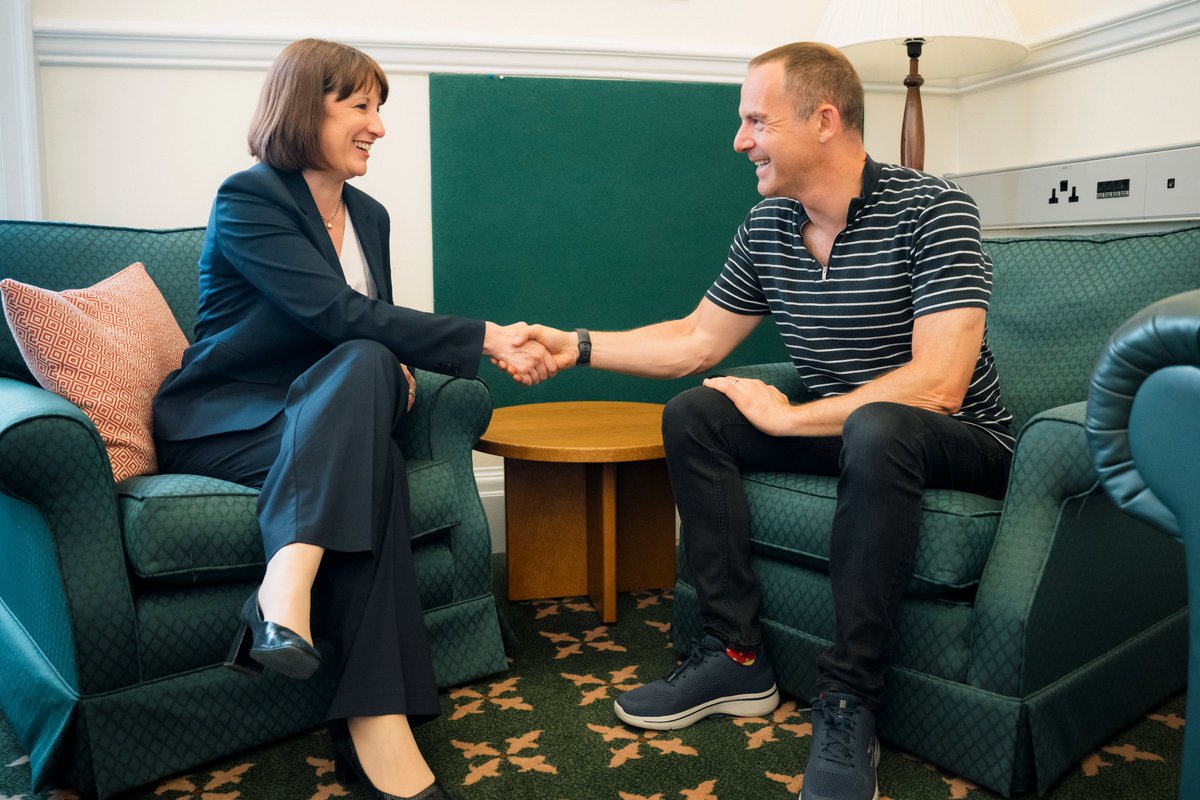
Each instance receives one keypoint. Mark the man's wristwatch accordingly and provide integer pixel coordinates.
(585, 348)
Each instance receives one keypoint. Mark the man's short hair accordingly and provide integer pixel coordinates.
(285, 131)
(816, 73)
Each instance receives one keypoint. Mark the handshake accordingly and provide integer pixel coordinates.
(530, 353)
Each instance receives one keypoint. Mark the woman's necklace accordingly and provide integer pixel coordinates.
(329, 220)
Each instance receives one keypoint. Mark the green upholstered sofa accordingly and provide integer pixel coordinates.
(118, 603)
(1033, 627)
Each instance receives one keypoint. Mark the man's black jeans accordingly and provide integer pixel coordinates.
(887, 455)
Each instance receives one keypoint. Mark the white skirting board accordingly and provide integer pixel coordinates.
(491, 491)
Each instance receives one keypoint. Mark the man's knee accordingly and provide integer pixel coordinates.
(876, 433)
(875, 423)
(690, 411)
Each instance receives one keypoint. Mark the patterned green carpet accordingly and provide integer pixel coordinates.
(545, 730)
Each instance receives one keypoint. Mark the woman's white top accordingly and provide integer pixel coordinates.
(354, 267)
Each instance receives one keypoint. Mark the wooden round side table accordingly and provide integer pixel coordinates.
(588, 507)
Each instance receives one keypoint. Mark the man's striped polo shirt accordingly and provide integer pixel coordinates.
(911, 247)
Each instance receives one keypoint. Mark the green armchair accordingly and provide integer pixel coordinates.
(1034, 627)
(118, 602)
(1145, 436)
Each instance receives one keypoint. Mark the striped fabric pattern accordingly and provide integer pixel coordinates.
(911, 247)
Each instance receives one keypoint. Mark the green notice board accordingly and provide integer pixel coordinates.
(585, 203)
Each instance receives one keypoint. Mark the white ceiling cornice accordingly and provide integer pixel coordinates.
(61, 42)
(1099, 40)
(86, 43)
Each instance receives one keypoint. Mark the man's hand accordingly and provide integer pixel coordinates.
(767, 408)
(561, 346)
(511, 348)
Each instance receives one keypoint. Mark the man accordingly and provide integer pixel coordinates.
(878, 283)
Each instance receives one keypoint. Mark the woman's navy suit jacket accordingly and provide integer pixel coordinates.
(274, 300)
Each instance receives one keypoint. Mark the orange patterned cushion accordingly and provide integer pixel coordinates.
(106, 349)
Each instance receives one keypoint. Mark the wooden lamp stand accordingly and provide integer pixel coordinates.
(912, 130)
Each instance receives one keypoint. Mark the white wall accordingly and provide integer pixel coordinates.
(20, 163)
(139, 146)
(1140, 101)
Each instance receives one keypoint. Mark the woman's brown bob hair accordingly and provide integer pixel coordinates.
(286, 129)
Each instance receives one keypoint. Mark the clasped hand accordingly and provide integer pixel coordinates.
(536, 352)
(513, 349)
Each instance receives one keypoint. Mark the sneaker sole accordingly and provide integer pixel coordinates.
(740, 705)
(876, 797)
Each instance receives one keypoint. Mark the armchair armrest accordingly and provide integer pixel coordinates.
(58, 483)
(1144, 451)
(1047, 589)
(1050, 466)
(447, 419)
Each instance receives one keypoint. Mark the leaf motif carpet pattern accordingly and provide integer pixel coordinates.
(545, 730)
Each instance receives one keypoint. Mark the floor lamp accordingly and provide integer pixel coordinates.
(953, 37)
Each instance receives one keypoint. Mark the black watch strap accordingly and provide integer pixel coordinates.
(585, 348)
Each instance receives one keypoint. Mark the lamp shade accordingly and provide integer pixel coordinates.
(962, 37)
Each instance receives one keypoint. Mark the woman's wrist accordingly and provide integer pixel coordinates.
(491, 332)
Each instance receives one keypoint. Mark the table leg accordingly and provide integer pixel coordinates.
(588, 529)
(645, 526)
(602, 539)
(545, 519)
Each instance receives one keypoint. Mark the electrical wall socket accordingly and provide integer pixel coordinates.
(1150, 185)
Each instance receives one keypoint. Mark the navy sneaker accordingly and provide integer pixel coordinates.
(709, 682)
(845, 752)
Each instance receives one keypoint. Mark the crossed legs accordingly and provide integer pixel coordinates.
(334, 512)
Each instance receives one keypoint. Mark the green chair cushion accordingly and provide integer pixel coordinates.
(793, 515)
(190, 529)
(194, 529)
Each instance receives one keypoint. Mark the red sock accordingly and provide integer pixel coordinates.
(744, 657)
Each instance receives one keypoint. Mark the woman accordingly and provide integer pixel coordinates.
(296, 383)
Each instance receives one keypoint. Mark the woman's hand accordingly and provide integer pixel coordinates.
(511, 349)
(412, 387)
